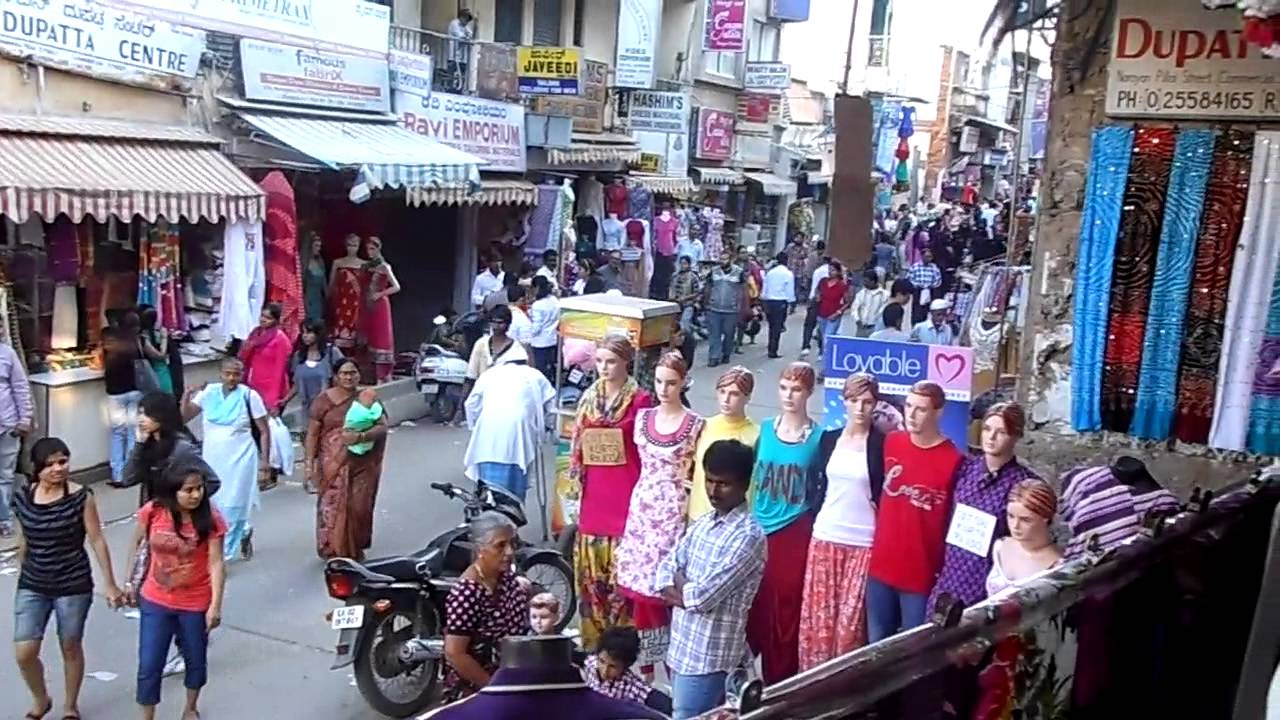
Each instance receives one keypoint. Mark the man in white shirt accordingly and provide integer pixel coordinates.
(778, 293)
(820, 273)
(489, 280)
(507, 412)
(550, 261)
(461, 35)
(989, 214)
(937, 329)
(868, 304)
(521, 325)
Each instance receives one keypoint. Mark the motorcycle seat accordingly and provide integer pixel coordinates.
(410, 567)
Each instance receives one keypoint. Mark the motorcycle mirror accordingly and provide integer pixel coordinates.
(439, 320)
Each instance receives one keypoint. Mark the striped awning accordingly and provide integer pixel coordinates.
(493, 191)
(664, 184)
(772, 184)
(718, 176)
(154, 172)
(586, 148)
(386, 154)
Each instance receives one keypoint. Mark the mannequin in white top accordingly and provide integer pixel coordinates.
(611, 233)
(1029, 550)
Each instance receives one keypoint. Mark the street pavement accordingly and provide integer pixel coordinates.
(271, 656)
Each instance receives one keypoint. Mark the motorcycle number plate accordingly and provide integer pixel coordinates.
(430, 388)
(346, 618)
(575, 376)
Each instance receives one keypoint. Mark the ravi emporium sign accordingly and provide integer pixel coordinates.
(897, 366)
(491, 130)
(548, 70)
(284, 73)
(1174, 59)
(97, 39)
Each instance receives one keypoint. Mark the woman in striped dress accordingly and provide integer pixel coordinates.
(56, 516)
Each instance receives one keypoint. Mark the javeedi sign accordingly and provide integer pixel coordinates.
(897, 366)
(548, 70)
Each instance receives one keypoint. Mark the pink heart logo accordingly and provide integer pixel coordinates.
(948, 366)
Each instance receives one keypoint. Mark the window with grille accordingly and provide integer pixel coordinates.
(878, 42)
(508, 21)
(546, 22)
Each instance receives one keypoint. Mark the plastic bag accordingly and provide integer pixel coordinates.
(281, 445)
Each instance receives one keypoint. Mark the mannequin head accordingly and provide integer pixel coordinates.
(860, 393)
(544, 611)
(924, 409)
(733, 392)
(1030, 510)
(668, 378)
(352, 244)
(794, 388)
(613, 355)
(316, 245)
(1002, 427)
(373, 247)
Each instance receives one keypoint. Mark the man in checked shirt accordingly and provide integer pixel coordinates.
(710, 580)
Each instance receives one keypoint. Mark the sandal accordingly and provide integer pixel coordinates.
(246, 546)
(47, 708)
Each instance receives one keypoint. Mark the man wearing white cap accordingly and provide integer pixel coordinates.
(507, 411)
(937, 329)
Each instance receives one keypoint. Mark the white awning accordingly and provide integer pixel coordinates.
(493, 191)
(718, 176)
(664, 184)
(772, 184)
(387, 154)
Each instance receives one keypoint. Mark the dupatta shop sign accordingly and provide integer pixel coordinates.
(726, 26)
(487, 129)
(715, 135)
(1174, 59)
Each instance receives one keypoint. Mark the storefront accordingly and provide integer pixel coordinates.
(101, 216)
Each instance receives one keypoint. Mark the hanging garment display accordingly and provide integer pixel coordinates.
(282, 267)
(1157, 380)
(616, 199)
(1100, 221)
(589, 200)
(640, 203)
(1132, 273)
(159, 284)
(1249, 296)
(1264, 412)
(541, 218)
(244, 280)
(1207, 303)
(713, 243)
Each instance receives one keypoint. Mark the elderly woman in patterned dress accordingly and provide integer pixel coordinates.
(666, 437)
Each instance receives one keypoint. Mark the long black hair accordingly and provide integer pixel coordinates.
(317, 328)
(42, 452)
(166, 496)
(163, 409)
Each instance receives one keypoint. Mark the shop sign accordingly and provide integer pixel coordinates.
(789, 10)
(331, 24)
(285, 73)
(725, 29)
(753, 151)
(715, 135)
(767, 77)
(490, 130)
(587, 109)
(548, 70)
(639, 22)
(1174, 59)
(660, 123)
(649, 163)
(89, 37)
(755, 109)
(411, 75)
(496, 71)
(897, 366)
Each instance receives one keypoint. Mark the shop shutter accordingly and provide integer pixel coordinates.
(546, 22)
(508, 20)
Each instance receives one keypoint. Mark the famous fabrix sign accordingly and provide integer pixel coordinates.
(283, 73)
(88, 37)
(897, 366)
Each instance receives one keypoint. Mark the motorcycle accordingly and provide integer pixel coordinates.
(391, 626)
(440, 370)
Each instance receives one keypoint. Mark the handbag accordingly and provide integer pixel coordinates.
(145, 379)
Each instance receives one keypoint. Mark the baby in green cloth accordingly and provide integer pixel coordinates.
(363, 414)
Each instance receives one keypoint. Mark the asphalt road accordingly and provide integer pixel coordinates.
(271, 657)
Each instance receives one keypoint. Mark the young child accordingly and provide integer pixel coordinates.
(544, 611)
(362, 416)
(609, 672)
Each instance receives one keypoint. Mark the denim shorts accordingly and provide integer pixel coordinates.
(31, 612)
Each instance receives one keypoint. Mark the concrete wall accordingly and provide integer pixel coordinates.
(679, 18)
(65, 94)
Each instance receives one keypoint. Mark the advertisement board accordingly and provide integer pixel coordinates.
(897, 366)
(285, 73)
(767, 77)
(587, 108)
(725, 26)
(715, 135)
(789, 10)
(660, 125)
(488, 129)
(89, 37)
(322, 24)
(548, 70)
(496, 71)
(1175, 59)
(411, 74)
(639, 22)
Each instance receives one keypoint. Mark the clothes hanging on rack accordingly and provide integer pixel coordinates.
(713, 243)
(1248, 298)
(159, 284)
(1220, 227)
(1132, 272)
(1157, 379)
(1099, 224)
(640, 203)
(1264, 412)
(281, 263)
(244, 280)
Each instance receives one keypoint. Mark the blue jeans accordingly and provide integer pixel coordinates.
(891, 611)
(10, 447)
(158, 628)
(831, 326)
(122, 411)
(722, 326)
(693, 695)
(31, 611)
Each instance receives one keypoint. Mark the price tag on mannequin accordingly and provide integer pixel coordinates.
(603, 446)
(971, 529)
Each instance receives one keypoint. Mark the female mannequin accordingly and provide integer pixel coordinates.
(611, 233)
(605, 464)
(666, 437)
(733, 393)
(786, 456)
(346, 295)
(381, 284)
(314, 279)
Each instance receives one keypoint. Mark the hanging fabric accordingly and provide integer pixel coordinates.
(1207, 302)
(280, 252)
(1248, 299)
(1264, 413)
(1099, 223)
(1158, 378)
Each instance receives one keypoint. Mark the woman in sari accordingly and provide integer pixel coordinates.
(382, 284)
(604, 464)
(347, 483)
(228, 410)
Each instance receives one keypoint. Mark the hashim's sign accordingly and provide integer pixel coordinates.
(548, 70)
(1174, 59)
(283, 73)
(89, 37)
(660, 124)
(767, 77)
(488, 129)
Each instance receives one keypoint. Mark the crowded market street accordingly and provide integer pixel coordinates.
(271, 656)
